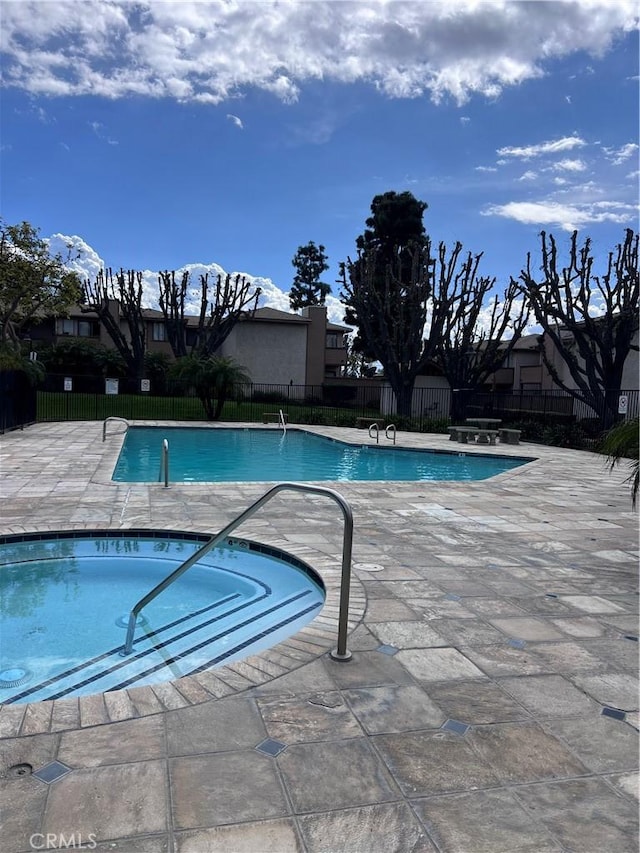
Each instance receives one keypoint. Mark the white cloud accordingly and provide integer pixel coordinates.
(237, 121)
(569, 217)
(212, 51)
(84, 260)
(569, 166)
(617, 156)
(486, 169)
(554, 146)
(528, 176)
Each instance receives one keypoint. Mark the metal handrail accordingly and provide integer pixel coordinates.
(341, 653)
(164, 463)
(386, 432)
(112, 418)
(282, 421)
(377, 429)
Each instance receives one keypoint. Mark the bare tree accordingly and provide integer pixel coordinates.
(114, 298)
(171, 298)
(473, 325)
(590, 320)
(231, 299)
(427, 308)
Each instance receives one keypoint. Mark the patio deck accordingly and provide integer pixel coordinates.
(491, 703)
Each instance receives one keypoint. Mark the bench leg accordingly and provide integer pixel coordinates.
(453, 435)
(483, 438)
(463, 438)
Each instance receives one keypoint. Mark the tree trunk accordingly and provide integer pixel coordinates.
(404, 396)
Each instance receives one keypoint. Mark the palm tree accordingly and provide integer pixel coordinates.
(622, 443)
(213, 378)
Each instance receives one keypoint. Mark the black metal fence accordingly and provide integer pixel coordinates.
(18, 400)
(61, 398)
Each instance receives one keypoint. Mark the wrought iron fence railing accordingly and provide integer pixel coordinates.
(61, 398)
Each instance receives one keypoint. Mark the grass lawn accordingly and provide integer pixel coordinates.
(69, 406)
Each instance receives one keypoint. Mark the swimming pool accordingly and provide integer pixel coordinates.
(65, 601)
(257, 455)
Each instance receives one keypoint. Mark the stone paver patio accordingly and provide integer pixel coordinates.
(491, 703)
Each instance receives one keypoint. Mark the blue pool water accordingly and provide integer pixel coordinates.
(255, 455)
(66, 599)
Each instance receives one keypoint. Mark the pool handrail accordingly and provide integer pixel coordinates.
(340, 653)
(164, 462)
(386, 432)
(377, 429)
(112, 418)
(282, 421)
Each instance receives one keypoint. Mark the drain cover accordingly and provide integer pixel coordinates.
(14, 677)
(19, 770)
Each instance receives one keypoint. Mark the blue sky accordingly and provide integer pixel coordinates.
(224, 135)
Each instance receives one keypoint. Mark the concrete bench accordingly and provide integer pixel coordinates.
(273, 417)
(487, 436)
(365, 423)
(509, 436)
(462, 434)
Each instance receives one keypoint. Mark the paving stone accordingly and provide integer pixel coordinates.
(526, 628)
(549, 696)
(214, 727)
(91, 801)
(438, 664)
(23, 802)
(310, 678)
(483, 822)
(36, 750)
(477, 702)
(390, 828)
(394, 709)
(334, 775)
(387, 610)
(627, 782)
(585, 815)
(602, 744)
(617, 654)
(267, 836)
(425, 763)
(321, 716)
(492, 607)
(367, 669)
(505, 660)
(114, 743)
(224, 787)
(580, 626)
(613, 689)
(592, 604)
(568, 657)
(523, 752)
(466, 632)
(407, 635)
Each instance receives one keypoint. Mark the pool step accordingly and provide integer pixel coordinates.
(189, 644)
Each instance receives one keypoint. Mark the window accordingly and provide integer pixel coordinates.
(334, 341)
(77, 328)
(158, 332)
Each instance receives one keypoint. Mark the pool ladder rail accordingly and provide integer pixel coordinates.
(386, 432)
(164, 463)
(113, 418)
(341, 653)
